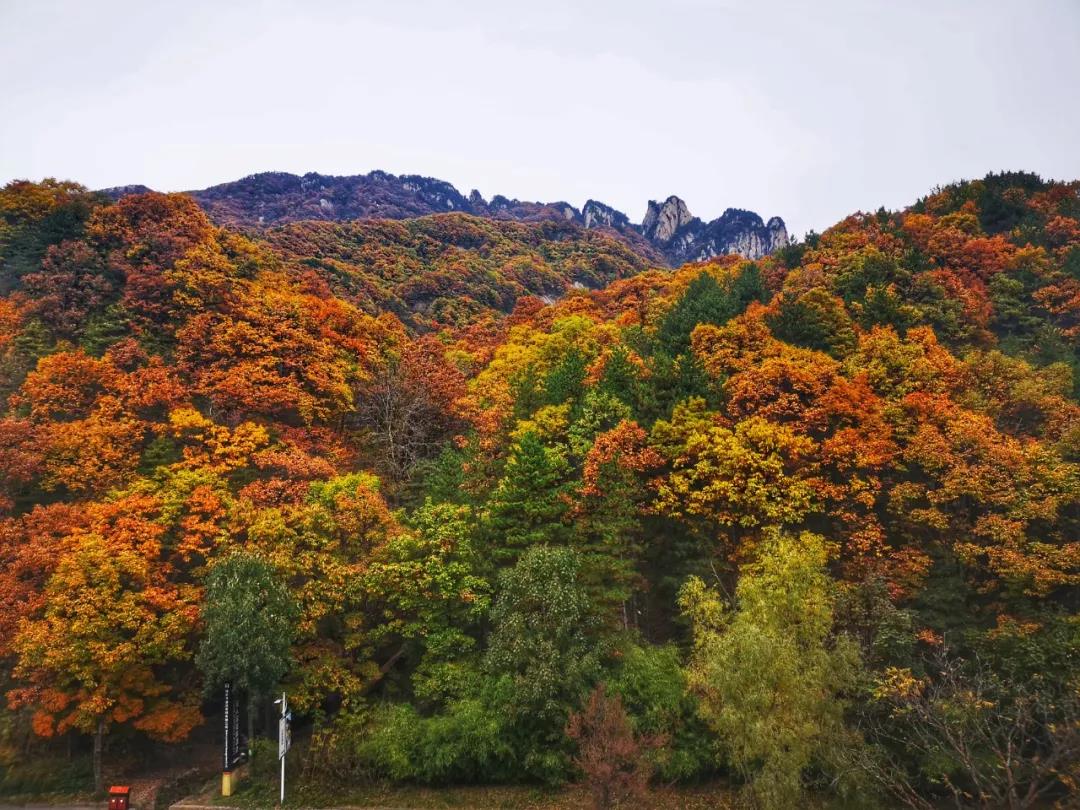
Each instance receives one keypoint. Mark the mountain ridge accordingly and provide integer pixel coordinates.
(668, 232)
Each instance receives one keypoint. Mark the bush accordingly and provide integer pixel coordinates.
(46, 774)
(612, 758)
(264, 758)
(653, 688)
(461, 745)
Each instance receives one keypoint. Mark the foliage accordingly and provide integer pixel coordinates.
(612, 759)
(770, 679)
(541, 655)
(483, 456)
(250, 620)
(987, 742)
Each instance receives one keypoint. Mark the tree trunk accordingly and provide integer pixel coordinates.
(253, 703)
(99, 738)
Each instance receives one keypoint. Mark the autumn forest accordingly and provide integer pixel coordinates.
(508, 502)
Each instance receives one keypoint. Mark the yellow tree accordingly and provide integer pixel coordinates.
(753, 474)
(90, 658)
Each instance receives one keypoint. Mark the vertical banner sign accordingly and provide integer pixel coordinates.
(228, 728)
(234, 713)
(284, 735)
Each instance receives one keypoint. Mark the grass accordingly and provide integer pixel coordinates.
(46, 778)
(261, 794)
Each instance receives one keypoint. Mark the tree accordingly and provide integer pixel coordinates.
(770, 679)
(541, 655)
(613, 759)
(815, 319)
(528, 507)
(709, 301)
(250, 620)
(990, 743)
(407, 404)
(323, 546)
(607, 516)
(423, 588)
(758, 474)
(92, 657)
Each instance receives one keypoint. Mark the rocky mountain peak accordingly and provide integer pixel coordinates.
(663, 220)
(596, 214)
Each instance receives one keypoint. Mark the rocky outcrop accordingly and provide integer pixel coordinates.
(272, 198)
(669, 233)
(116, 192)
(663, 222)
(735, 231)
(597, 215)
(684, 238)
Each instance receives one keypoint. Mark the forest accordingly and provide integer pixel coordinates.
(505, 503)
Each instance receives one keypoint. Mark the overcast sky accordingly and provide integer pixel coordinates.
(806, 110)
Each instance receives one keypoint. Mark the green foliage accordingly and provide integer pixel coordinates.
(264, 758)
(34, 216)
(815, 320)
(653, 687)
(430, 597)
(105, 328)
(46, 774)
(528, 506)
(885, 633)
(250, 619)
(770, 678)
(566, 380)
(466, 743)
(706, 300)
(541, 656)
(600, 411)
(620, 379)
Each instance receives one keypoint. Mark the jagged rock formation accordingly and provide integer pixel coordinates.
(669, 233)
(597, 215)
(685, 238)
(662, 222)
(116, 192)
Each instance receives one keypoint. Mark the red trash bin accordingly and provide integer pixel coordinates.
(119, 795)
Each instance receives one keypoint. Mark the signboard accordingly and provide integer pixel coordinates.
(284, 735)
(233, 755)
(284, 739)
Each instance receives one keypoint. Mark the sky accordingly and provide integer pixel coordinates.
(806, 110)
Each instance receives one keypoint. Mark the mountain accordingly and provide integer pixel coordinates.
(455, 438)
(682, 237)
(668, 234)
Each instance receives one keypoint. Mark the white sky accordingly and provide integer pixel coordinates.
(805, 110)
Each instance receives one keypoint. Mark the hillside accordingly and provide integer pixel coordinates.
(812, 519)
(452, 269)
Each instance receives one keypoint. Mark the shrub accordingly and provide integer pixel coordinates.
(612, 758)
